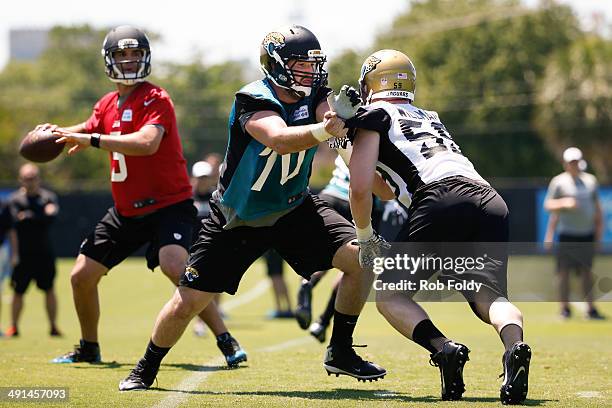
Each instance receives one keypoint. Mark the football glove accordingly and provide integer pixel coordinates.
(370, 249)
(346, 103)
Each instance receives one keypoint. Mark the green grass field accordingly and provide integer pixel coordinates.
(571, 366)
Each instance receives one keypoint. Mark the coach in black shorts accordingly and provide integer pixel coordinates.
(34, 209)
(453, 209)
(576, 216)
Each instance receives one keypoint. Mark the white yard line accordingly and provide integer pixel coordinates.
(285, 345)
(193, 381)
(248, 296)
(589, 394)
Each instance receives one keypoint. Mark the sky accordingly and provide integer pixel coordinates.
(221, 30)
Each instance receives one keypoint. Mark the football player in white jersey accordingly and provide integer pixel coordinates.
(451, 202)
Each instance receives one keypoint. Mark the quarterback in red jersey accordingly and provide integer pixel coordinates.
(157, 177)
(137, 126)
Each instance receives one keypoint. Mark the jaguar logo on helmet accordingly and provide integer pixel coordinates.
(273, 41)
(369, 65)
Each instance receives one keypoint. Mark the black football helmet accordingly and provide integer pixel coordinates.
(279, 52)
(121, 38)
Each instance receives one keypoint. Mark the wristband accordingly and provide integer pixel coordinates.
(318, 132)
(363, 234)
(94, 140)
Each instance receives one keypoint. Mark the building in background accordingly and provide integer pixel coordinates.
(27, 44)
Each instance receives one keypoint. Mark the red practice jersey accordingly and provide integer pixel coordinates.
(141, 184)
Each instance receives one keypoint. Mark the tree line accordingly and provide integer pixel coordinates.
(513, 85)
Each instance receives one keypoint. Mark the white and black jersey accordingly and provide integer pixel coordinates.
(415, 148)
(451, 203)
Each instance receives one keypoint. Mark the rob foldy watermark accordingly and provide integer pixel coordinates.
(403, 272)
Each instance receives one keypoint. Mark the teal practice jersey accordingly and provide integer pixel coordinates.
(256, 182)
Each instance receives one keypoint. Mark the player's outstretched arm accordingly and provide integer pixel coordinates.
(268, 128)
(143, 142)
(362, 169)
(362, 174)
(379, 187)
(52, 127)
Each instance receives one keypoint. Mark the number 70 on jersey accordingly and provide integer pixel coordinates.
(286, 174)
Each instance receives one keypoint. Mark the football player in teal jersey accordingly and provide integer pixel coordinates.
(263, 202)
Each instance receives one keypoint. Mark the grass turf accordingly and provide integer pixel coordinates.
(571, 362)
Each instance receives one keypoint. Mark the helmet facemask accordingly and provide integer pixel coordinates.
(118, 70)
(304, 82)
(300, 83)
(364, 92)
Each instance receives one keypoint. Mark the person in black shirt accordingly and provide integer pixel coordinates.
(33, 209)
(8, 253)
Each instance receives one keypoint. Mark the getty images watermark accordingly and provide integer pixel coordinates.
(425, 265)
(456, 271)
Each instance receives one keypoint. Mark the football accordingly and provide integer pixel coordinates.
(39, 146)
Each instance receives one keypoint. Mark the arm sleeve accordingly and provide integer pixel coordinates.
(93, 123)
(553, 190)
(247, 105)
(160, 113)
(377, 120)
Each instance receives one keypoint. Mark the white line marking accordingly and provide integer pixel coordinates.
(285, 345)
(589, 394)
(192, 382)
(247, 297)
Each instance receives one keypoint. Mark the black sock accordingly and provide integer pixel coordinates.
(510, 334)
(89, 344)
(342, 332)
(155, 354)
(223, 337)
(428, 336)
(328, 313)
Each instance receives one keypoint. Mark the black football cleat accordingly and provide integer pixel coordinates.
(303, 310)
(342, 360)
(516, 374)
(450, 360)
(233, 353)
(81, 354)
(140, 378)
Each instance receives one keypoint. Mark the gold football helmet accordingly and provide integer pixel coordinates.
(387, 74)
